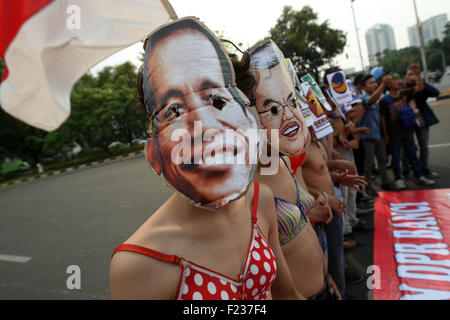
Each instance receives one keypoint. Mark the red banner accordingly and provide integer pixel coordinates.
(411, 245)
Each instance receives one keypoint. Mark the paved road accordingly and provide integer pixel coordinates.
(78, 219)
(74, 219)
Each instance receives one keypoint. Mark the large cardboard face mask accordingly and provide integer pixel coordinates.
(202, 142)
(276, 99)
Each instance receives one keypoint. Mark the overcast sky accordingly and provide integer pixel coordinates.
(249, 21)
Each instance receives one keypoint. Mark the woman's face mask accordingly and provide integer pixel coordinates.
(276, 99)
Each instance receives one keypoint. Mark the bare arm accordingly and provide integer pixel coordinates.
(420, 83)
(354, 181)
(137, 277)
(335, 155)
(316, 194)
(335, 288)
(320, 212)
(380, 90)
(342, 165)
(334, 203)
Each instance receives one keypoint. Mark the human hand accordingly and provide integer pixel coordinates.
(354, 144)
(350, 127)
(364, 130)
(321, 211)
(386, 80)
(354, 181)
(337, 205)
(343, 141)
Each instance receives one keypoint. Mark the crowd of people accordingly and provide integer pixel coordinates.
(240, 230)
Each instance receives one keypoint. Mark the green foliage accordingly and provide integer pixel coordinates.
(399, 60)
(307, 43)
(106, 108)
(20, 140)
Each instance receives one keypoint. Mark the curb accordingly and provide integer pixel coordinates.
(71, 169)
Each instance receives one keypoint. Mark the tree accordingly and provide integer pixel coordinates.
(307, 43)
(434, 52)
(399, 60)
(19, 140)
(445, 46)
(106, 108)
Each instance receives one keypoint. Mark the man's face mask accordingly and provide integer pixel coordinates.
(204, 138)
(276, 99)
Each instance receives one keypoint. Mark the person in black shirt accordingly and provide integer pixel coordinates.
(393, 129)
(428, 116)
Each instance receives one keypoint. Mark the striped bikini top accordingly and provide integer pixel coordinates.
(200, 283)
(292, 217)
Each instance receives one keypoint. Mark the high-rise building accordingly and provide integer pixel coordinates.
(433, 28)
(379, 38)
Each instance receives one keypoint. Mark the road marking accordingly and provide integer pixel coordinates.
(9, 258)
(443, 145)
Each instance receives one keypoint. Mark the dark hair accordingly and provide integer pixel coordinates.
(145, 90)
(246, 80)
(327, 72)
(365, 79)
(358, 79)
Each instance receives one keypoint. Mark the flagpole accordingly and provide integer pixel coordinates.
(357, 35)
(422, 46)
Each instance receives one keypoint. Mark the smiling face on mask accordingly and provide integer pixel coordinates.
(188, 90)
(276, 100)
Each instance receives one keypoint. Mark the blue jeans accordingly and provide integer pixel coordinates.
(335, 244)
(322, 236)
(409, 147)
(423, 136)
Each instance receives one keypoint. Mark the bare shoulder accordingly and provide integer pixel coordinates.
(136, 276)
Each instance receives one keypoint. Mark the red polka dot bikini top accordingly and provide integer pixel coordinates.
(200, 283)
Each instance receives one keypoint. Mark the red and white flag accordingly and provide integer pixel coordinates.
(47, 45)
